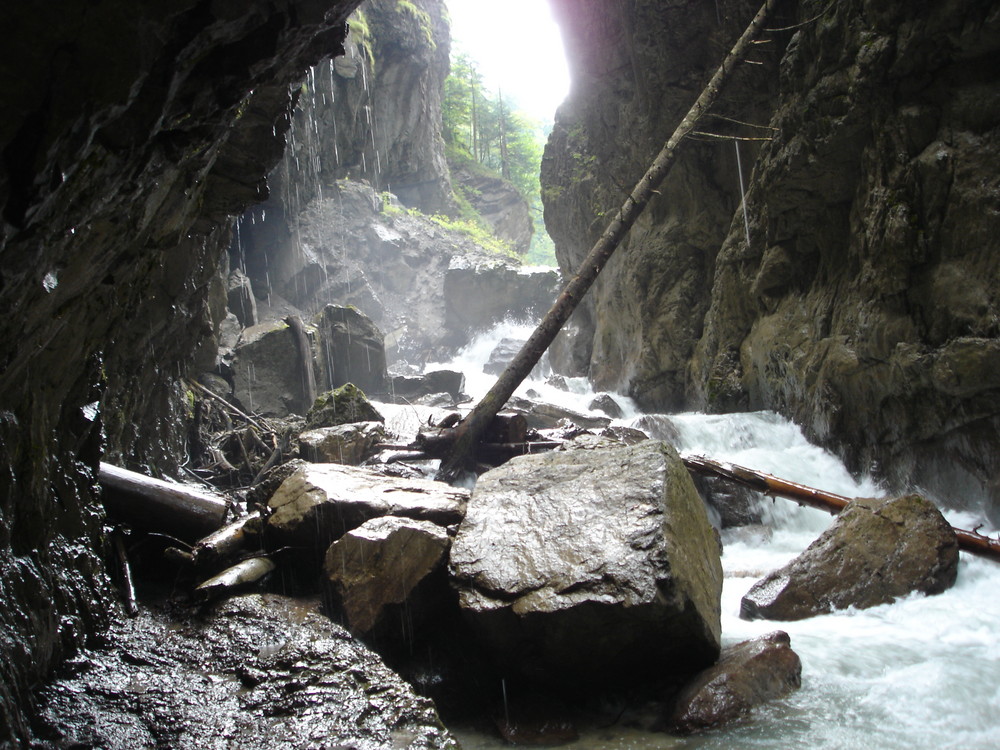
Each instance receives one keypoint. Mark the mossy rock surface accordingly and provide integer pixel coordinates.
(342, 405)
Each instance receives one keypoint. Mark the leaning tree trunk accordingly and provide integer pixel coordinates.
(467, 434)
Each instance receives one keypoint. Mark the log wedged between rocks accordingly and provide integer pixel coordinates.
(968, 541)
(156, 505)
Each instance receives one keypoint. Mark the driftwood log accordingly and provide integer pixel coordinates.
(969, 541)
(155, 505)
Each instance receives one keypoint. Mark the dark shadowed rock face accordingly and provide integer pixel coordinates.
(130, 133)
(876, 550)
(256, 672)
(747, 675)
(351, 350)
(374, 115)
(860, 296)
(591, 567)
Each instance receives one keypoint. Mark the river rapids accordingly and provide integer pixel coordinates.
(922, 672)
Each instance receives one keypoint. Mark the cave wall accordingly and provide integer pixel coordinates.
(864, 305)
(132, 132)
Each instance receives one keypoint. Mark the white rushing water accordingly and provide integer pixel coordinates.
(922, 672)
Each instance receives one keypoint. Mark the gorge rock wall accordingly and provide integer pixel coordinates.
(859, 297)
(131, 133)
(374, 114)
(367, 123)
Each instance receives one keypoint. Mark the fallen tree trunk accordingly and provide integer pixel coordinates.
(468, 433)
(154, 505)
(969, 541)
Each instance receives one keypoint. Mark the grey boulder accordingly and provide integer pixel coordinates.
(876, 550)
(591, 567)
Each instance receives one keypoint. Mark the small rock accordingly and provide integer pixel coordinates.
(606, 403)
(733, 504)
(876, 550)
(501, 356)
(658, 427)
(747, 675)
(344, 405)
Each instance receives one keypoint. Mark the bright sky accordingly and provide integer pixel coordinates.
(518, 47)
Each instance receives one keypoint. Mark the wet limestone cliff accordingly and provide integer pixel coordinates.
(131, 133)
(858, 294)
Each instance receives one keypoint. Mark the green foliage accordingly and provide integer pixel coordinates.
(362, 36)
(471, 226)
(422, 18)
(486, 134)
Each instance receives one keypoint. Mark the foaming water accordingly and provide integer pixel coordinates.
(471, 359)
(922, 672)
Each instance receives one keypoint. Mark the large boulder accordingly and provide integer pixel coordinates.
(318, 503)
(352, 350)
(747, 675)
(587, 567)
(267, 376)
(377, 567)
(876, 550)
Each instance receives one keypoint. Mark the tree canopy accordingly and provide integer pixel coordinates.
(487, 129)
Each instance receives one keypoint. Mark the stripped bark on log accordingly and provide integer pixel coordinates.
(242, 574)
(228, 541)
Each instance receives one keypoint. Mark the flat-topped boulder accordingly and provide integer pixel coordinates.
(591, 567)
(318, 503)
